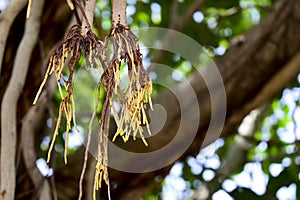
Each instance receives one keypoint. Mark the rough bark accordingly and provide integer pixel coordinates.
(119, 12)
(56, 20)
(6, 19)
(10, 99)
(87, 22)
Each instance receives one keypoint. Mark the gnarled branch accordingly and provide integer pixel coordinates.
(6, 19)
(10, 99)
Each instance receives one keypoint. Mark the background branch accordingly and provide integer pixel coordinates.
(235, 157)
(268, 91)
(29, 123)
(10, 99)
(7, 17)
(177, 26)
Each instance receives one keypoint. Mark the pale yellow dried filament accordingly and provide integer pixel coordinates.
(66, 146)
(73, 111)
(60, 90)
(55, 132)
(29, 9)
(70, 4)
(42, 85)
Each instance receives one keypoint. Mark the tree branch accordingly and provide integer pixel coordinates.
(235, 157)
(89, 13)
(268, 91)
(119, 12)
(10, 99)
(29, 123)
(177, 26)
(6, 19)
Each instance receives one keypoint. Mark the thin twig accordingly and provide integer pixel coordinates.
(88, 144)
(106, 147)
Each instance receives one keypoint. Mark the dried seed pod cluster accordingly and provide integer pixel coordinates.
(68, 53)
(139, 87)
(134, 99)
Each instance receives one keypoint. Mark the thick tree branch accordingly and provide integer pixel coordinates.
(6, 19)
(249, 70)
(89, 13)
(10, 99)
(119, 12)
(268, 91)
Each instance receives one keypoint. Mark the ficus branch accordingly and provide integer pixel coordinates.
(7, 17)
(119, 12)
(10, 99)
(89, 16)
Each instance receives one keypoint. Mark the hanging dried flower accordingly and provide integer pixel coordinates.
(134, 99)
(68, 53)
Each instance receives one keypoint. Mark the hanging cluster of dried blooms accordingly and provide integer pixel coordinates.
(68, 52)
(139, 88)
(133, 99)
